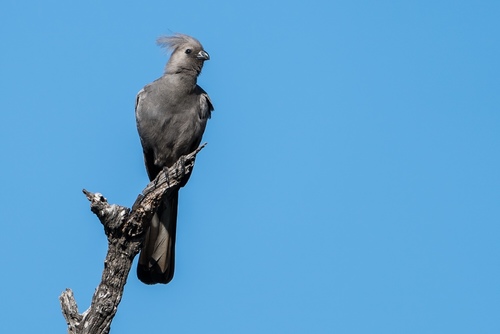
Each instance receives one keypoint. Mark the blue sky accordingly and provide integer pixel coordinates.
(350, 183)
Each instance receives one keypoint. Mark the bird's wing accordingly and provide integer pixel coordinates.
(143, 127)
(206, 106)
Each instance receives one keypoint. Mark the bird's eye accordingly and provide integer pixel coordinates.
(188, 51)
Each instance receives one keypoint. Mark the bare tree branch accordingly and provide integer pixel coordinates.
(125, 229)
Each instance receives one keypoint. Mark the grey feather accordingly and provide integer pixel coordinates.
(171, 115)
(175, 41)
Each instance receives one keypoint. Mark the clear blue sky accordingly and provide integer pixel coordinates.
(350, 183)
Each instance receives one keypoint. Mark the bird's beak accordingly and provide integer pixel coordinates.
(203, 55)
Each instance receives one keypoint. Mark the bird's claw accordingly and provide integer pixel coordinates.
(167, 177)
(181, 166)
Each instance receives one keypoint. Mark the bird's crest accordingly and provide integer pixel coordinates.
(173, 42)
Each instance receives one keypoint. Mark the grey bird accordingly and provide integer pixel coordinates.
(171, 115)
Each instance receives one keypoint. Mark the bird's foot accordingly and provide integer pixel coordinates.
(167, 176)
(180, 166)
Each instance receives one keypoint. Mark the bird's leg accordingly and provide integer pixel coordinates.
(180, 166)
(167, 177)
(181, 173)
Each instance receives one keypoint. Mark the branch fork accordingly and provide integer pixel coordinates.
(125, 229)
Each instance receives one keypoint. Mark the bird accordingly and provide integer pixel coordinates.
(171, 116)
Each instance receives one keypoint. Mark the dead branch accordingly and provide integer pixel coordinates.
(125, 229)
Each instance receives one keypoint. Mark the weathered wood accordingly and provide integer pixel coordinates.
(125, 229)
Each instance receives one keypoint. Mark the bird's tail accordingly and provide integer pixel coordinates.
(157, 259)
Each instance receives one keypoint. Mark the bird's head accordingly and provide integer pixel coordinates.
(187, 54)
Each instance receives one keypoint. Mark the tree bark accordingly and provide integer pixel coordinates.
(125, 229)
